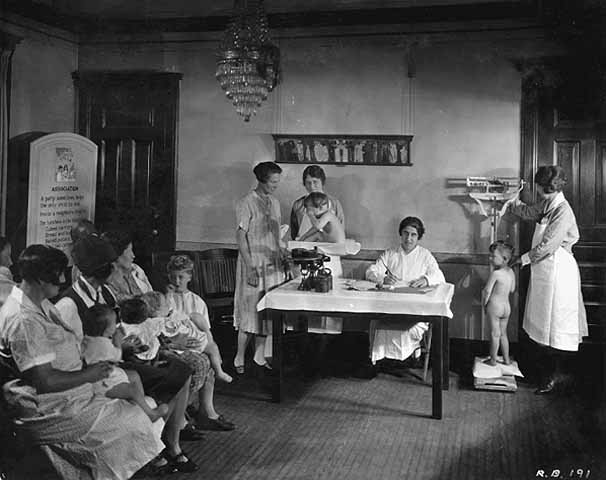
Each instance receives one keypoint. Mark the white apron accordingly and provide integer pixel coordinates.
(555, 313)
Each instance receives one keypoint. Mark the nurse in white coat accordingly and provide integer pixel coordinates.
(555, 314)
(412, 265)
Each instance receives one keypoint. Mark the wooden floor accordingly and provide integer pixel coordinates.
(354, 429)
(344, 428)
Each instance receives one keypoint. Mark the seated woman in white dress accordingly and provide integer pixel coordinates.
(84, 434)
(408, 265)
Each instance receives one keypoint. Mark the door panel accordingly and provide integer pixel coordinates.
(133, 118)
(561, 125)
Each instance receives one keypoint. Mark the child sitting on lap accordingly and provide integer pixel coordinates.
(181, 333)
(326, 227)
(495, 299)
(101, 343)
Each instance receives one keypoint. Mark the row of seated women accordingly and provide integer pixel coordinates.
(106, 374)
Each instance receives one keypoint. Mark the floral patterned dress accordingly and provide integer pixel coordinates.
(258, 216)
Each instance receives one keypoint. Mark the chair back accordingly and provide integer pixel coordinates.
(159, 276)
(217, 268)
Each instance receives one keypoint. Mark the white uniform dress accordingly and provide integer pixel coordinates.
(555, 314)
(397, 339)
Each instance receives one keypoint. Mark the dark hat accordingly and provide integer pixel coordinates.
(92, 253)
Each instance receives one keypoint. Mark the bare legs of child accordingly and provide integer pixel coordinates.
(133, 391)
(498, 317)
(212, 350)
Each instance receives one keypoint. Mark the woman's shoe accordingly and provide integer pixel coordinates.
(190, 434)
(218, 424)
(239, 369)
(266, 365)
(546, 388)
(180, 463)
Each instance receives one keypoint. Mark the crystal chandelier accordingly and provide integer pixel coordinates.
(248, 63)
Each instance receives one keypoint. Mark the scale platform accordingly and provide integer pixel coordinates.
(501, 378)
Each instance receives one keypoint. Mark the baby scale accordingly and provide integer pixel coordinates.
(489, 193)
(314, 276)
(492, 195)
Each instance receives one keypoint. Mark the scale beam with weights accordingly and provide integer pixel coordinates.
(493, 194)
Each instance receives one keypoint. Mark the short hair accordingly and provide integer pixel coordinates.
(264, 170)
(551, 177)
(133, 310)
(316, 199)
(82, 228)
(94, 322)
(178, 263)
(119, 239)
(412, 222)
(153, 302)
(42, 263)
(503, 248)
(314, 171)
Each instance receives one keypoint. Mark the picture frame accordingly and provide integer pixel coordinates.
(377, 150)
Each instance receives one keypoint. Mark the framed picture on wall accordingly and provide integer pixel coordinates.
(393, 150)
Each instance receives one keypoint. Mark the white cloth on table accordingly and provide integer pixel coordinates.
(323, 324)
(398, 342)
(288, 297)
(84, 435)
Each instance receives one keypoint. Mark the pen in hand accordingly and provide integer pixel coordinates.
(389, 272)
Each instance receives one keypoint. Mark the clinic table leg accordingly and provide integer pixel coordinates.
(277, 319)
(446, 354)
(436, 369)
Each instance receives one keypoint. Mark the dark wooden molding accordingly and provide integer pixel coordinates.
(121, 75)
(88, 24)
(365, 255)
(8, 41)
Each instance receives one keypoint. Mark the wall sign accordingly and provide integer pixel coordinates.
(393, 150)
(62, 182)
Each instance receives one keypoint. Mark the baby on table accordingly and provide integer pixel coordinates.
(326, 227)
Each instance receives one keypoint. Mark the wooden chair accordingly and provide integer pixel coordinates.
(217, 270)
(159, 277)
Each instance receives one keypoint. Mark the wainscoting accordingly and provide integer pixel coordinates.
(468, 273)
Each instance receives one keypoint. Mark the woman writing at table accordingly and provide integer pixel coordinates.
(260, 262)
(409, 265)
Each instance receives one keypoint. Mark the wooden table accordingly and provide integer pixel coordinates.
(434, 306)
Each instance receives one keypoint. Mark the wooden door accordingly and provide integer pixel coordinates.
(563, 124)
(132, 117)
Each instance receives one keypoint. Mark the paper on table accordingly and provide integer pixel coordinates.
(349, 247)
(361, 285)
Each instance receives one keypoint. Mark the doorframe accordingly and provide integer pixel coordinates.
(174, 79)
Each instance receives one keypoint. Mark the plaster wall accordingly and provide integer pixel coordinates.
(462, 106)
(42, 91)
